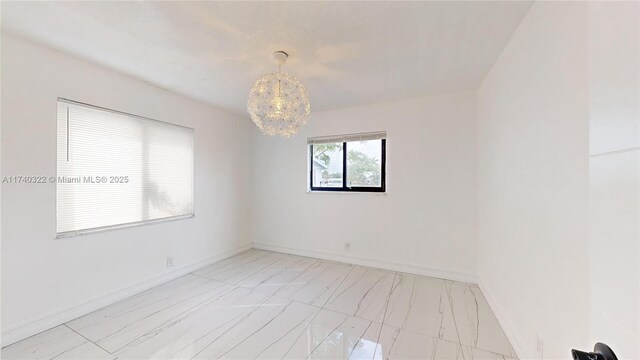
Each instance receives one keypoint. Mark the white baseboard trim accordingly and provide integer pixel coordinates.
(514, 336)
(48, 321)
(375, 263)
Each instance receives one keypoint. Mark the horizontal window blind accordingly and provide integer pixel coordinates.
(116, 169)
(346, 138)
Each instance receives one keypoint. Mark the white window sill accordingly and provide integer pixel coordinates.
(328, 192)
(83, 232)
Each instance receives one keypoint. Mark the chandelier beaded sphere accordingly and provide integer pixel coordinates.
(278, 103)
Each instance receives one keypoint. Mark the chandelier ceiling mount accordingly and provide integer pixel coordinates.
(280, 57)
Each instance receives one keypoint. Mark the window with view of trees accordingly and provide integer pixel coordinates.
(348, 163)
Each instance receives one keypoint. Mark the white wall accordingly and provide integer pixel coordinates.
(559, 180)
(533, 169)
(425, 223)
(614, 181)
(44, 279)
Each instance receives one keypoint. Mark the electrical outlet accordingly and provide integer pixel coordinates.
(539, 347)
(347, 246)
(170, 261)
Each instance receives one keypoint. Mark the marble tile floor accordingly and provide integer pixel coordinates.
(268, 305)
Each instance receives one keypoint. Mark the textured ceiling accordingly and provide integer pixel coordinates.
(346, 53)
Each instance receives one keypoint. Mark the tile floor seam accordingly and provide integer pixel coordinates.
(255, 308)
(395, 275)
(321, 309)
(275, 294)
(453, 316)
(86, 338)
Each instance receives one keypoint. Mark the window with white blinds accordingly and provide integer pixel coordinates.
(115, 169)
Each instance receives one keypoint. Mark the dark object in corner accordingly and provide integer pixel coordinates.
(600, 352)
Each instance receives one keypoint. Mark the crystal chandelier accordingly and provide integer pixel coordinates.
(278, 103)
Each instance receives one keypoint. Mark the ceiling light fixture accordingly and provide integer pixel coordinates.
(278, 103)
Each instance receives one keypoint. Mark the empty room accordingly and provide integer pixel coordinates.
(320, 180)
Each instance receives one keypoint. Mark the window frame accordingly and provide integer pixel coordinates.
(345, 188)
